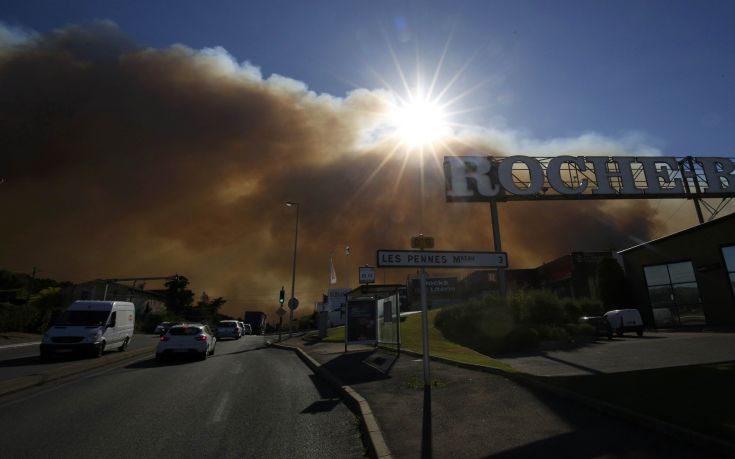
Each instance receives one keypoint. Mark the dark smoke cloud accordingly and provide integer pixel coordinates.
(122, 160)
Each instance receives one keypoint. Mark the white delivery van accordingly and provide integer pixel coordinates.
(90, 327)
(624, 320)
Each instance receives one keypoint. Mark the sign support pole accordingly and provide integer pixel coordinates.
(425, 329)
(496, 243)
(690, 161)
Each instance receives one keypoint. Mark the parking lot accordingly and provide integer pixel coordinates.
(629, 353)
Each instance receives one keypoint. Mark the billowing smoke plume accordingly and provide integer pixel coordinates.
(123, 161)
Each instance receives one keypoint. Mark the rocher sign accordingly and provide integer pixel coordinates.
(485, 178)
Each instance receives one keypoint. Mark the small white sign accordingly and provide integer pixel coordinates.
(425, 258)
(367, 275)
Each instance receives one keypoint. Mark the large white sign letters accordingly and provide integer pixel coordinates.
(485, 178)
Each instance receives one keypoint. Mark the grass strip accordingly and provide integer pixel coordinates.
(439, 346)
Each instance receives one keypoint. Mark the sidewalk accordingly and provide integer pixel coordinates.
(8, 339)
(476, 414)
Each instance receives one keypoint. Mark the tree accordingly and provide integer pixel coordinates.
(178, 297)
(206, 309)
(48, 303)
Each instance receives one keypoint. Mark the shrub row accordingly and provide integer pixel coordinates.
(517, 322)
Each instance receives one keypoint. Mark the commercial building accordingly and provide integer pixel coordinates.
(685, 278)
(573, 275)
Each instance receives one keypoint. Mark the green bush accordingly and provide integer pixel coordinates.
(590, 307)
(542, 307)
(580, 330)
(515, 323)
(551, 332)
(521, 338)
(572, 310)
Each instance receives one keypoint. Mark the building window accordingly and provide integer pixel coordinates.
(728, 253)
(674, 294)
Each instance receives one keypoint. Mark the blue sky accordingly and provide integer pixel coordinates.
(662, 72)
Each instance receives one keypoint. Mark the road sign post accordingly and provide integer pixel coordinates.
(435, 259)
(425, 329)
(422, 242)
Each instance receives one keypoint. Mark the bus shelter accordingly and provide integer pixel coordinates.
(373, 316)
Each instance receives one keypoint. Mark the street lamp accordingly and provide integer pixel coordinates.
(293, 266)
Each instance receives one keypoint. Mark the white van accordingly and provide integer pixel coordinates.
(90, 327)
(624, 320)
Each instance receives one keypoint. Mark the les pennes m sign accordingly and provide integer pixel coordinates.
(525, 178)
(440, 259)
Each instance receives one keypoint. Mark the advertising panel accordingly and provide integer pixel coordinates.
(361, 320)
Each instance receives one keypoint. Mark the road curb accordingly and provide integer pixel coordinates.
(372, 435)
(26, 382)
(707, 442)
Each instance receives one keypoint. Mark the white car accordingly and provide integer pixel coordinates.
(247, 329)
(186, 339)
(243, 329)
(228, 329)
(623, 320)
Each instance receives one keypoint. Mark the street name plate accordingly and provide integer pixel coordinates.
(441, 259)
(367, 274)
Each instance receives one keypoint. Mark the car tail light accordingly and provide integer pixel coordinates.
(201, 338)
(164, 338)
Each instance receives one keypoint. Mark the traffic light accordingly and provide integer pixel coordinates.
(283, 296)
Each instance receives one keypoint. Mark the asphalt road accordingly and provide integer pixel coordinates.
(244, 401)
(23, 360)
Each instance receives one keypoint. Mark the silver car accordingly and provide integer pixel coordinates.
(229, 329)
(186, 339)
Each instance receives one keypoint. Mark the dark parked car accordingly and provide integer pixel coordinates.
(163, 327)
(600, 323)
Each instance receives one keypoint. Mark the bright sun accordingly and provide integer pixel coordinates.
(419, 122)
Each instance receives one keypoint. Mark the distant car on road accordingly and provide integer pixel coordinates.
(602, 326)
(186, 339)
(242, 328)
(228, 329)
(247, 329)
(625, 320)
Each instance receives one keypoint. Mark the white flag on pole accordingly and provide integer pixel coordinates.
(332, 272)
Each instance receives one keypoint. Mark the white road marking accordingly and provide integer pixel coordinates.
(218, 414)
